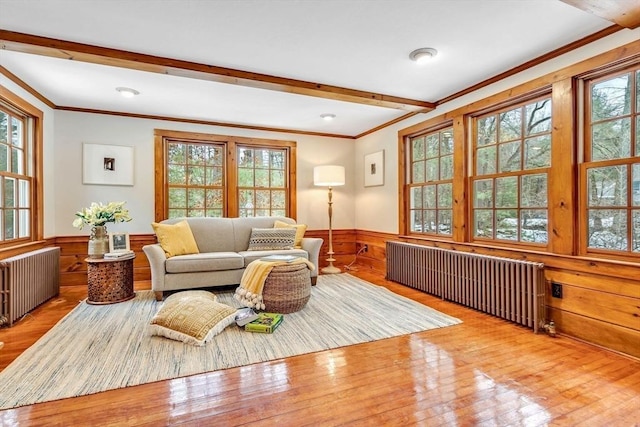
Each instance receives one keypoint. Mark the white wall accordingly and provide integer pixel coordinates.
(49, 196)
(376, 208)
(73, 129)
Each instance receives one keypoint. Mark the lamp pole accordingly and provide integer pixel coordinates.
(329, 176)
(330, 269)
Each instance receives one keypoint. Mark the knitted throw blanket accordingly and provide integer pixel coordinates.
(249, 293)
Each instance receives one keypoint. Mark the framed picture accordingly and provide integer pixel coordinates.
(119, 242)
(107, 164)
(374, 169)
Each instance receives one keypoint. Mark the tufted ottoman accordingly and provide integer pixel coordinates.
(287, 288)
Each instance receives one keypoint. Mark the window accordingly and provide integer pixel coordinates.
(223, 176)
(19, 140)
(262, 181)
(195, 179)
(512, 154)
(431, 183)
(610, 175)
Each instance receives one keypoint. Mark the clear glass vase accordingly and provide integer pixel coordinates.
(98, 241)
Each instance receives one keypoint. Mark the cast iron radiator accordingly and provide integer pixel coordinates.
(503, 287)
(26, 281)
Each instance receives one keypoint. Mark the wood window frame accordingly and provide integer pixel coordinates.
(34, 171)
(587, 81)
(410, 183)
(519, 103)
(231, 143)
(459, 124)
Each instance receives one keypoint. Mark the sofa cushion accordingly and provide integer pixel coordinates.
(250, 256)
(211, 234)
(265, 239)
(212, 261)
(175, 239)
(193, 317)
(242, 228)
(300, 230)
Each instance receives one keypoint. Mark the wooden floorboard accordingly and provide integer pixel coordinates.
(485, 372)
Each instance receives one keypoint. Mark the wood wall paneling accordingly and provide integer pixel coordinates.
(344, 246)
(73, 251)
(562, 198)
(600, 304)
(375, 257)
(601, 300)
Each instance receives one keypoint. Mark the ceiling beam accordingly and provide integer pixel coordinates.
(625, 13)
(37, 45)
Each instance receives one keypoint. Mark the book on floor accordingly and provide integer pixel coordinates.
(245, 315)
(266, 323)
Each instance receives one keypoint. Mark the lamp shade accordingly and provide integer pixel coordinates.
(328, 176)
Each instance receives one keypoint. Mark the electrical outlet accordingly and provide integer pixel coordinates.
(365, 248)
(556, 290)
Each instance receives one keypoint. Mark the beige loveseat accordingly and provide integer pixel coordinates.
(223, 245)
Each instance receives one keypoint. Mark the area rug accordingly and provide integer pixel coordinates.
(102, 347)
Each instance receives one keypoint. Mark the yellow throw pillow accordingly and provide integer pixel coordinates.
(176, 239)
(193, 317)
(300, 229)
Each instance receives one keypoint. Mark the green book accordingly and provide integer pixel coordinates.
(266, 323)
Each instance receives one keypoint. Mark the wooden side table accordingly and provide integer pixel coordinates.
(109, 280)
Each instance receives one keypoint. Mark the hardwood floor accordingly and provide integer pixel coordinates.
(483, 372)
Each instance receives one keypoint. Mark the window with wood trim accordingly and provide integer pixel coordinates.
(262, 178)
(19, 135)
(610, 173)
(195, 179)
(223, 176)
(431, 183)
(512, 155)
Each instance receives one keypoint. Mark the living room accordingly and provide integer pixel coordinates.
(600, 292)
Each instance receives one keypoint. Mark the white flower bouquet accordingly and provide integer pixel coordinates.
(99, 214)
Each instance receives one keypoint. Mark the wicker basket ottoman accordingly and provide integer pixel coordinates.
(287, 288)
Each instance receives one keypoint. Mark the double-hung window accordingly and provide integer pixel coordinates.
(19, 140)
(431, 183)
(610, 173)
(512, 155)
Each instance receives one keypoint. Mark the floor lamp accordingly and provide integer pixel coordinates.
(329, 176)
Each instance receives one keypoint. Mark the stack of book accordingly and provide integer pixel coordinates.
(119, 255)
(266, 323)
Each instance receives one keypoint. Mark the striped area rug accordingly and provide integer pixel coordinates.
(102, 347)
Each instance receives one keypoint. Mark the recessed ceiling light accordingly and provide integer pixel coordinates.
(127, 92)
(423, 55)
(328, 116)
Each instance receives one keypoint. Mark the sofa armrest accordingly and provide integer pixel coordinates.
(312, 245)
(156, 256)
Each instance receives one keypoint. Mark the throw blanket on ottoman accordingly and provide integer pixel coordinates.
(249, 293)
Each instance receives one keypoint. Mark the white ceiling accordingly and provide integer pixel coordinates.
(357, 44)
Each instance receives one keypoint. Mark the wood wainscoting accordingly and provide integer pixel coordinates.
(600, 301)
(344, 246)
(73, 251)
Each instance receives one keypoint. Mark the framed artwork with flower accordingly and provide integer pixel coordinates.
(107, 164)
